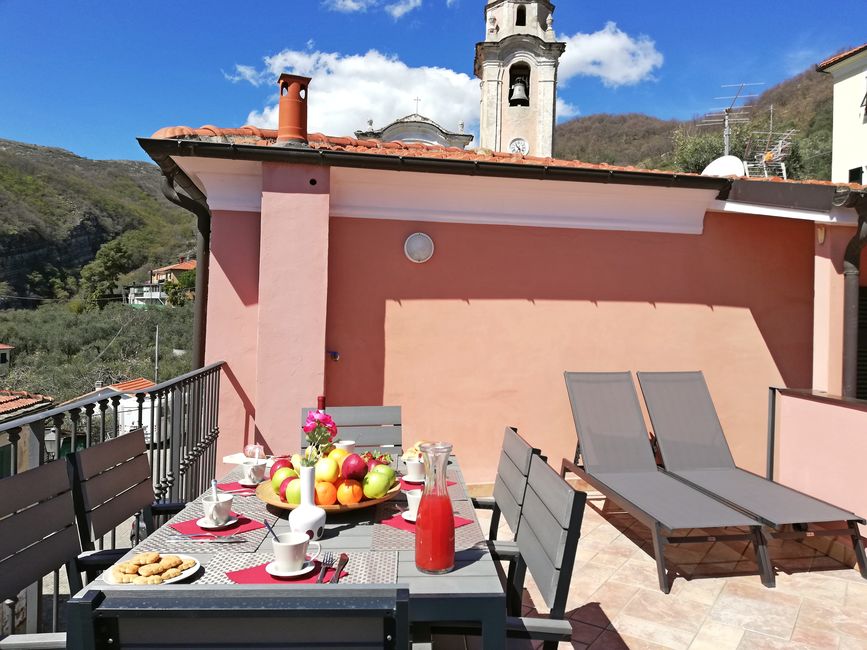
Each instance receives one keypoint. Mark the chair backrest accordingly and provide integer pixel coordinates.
(351, 616)
(510, 485)
(112, 482)
(37, 526)
(609, 423)
(685, 421)
(549, 531)
(371, 427)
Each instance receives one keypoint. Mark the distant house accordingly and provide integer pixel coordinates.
(15, 404)
(849, 157)
(5, 358)
(153, 292)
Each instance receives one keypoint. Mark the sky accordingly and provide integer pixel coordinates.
(92, 76)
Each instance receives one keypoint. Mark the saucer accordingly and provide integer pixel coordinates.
(407, 516)
(207, 524)
(249, 484)
(414, 481)
(307, 567)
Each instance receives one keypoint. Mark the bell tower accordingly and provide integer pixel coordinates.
(517, 63)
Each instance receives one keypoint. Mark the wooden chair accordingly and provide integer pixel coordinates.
(548, 532)
(345, 616)
(111, 483)
(37, 536)
(373, 428)
(510, 485)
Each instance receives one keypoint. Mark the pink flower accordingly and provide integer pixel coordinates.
(309, 427)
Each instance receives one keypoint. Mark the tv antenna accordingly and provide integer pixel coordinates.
(768, 151)
(731, 114)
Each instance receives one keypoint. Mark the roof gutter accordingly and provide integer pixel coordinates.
(163, 148)
(846, 198)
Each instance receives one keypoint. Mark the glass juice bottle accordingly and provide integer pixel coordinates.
(435, 522)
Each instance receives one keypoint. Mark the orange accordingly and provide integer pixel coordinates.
(338, 455)
(349, 492)
(326, 494)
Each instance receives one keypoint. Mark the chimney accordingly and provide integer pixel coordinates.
(182, 259)
(292, 127)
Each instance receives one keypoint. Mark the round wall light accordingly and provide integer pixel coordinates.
(418, 247)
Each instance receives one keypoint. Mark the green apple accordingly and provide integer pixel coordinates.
(292, 493)
(296, 461)
(281, 475)
(386, 471)
(375, 485)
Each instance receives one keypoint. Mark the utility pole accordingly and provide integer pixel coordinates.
(157, 357)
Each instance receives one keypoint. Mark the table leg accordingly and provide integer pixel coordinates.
(494, 626)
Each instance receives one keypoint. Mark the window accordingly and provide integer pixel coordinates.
(3, 357)
(519, 85)
(5, 461)
(521, 20)
(856, 175)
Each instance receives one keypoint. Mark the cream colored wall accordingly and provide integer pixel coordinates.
(850, 120)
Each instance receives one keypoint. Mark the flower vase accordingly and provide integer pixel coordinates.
(307, 517)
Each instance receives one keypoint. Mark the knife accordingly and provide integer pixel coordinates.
(341, 563)
(230, 539)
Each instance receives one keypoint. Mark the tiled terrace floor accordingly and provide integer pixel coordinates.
(614, 599)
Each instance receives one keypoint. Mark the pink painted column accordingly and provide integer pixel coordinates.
(293, 291)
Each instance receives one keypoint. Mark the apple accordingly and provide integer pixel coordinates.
(375, 485)
(385, 470)
(296, 460)
(354, 468)
(285, 485)
(327, 470)
(281, 475)
(280, 463)
(292, 494)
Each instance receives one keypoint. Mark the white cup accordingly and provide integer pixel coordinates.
(413, 498)
(254, 470)
(218, 510)
(415, 470)
(290, 551)
(348, 445)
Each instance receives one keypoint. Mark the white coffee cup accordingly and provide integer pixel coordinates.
(290, 551)
(348, 445)
(415, 470)
(219, 510)
(254, 470)
(413, 498)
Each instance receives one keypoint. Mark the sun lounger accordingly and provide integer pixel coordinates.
(618, 461)
(694, 448)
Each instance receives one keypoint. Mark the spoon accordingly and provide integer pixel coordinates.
(270, 530)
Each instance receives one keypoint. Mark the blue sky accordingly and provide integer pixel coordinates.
(91, 76)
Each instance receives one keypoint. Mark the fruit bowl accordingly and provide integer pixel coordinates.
(266, 493)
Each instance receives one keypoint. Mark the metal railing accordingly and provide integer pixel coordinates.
(180, 418)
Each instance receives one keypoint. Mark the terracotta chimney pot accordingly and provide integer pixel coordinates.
(292, 126)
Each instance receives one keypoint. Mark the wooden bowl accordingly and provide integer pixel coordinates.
(266, 493)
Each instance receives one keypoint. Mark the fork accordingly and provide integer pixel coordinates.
(327, 563)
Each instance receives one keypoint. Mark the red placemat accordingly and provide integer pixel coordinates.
(244, 490)
(402, 524)
(243, 525)
(417, 486)
(258, 576)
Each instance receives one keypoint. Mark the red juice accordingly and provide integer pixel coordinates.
(435, 534)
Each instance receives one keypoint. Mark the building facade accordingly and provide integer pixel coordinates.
(849, 157)
(416, 128)
(517, 63)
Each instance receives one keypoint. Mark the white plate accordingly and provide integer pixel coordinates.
(249, 484)
(272, 569)
(108, 576)
(207, 524)
(414, 481)
(408, 516)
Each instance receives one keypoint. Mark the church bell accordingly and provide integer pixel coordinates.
(519, 93)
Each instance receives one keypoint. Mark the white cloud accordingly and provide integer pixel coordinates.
(347, 90)
(245, 73)
(398, 9)
(349, 6)
(611, 54)
(565, 109)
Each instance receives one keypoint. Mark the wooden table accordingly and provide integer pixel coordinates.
(379, 554)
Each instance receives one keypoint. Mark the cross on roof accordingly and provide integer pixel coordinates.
(417, 100)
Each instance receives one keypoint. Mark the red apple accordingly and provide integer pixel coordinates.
(284, 485)
(280, 462)
(353, 468)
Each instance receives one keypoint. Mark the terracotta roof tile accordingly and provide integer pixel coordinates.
(4, 346)
(251, 135)
(19, 400)
(188, 265)
(133, 385)
(827, 63)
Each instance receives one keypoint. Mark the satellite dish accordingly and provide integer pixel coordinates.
(725, 166)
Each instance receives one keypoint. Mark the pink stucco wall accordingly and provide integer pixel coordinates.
(821, 447)
(478, 338)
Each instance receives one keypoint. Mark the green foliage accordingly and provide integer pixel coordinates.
(177, 293)
(63, 350)
(99, 278)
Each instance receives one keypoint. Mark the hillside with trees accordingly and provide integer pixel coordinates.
(803, 102)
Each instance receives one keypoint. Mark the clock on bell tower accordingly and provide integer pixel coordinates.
(517, 63)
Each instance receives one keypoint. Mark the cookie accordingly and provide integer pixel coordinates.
(169, 562)
(147, 580)
(124, 578)
(152, 569)
(171, 573)
(146, 558)
(187, 564)
(126, 567)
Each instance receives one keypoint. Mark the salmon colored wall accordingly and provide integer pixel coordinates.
(828, 308)
(821, 449)
(233, 314)
(478, 338)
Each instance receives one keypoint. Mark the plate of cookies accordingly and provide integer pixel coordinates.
(152, 569)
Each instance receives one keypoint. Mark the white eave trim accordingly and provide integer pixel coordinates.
(835, 216)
